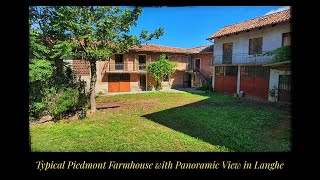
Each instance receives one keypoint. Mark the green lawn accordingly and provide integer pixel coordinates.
(171, 122)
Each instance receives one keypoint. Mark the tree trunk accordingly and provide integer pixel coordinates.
(93, 80)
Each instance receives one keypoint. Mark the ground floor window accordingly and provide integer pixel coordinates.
(118, 77)
(254, 71)
(226, 71)
(165, 78)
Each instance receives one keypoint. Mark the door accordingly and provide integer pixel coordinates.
(119, 83)
(189, 80)
(113, 83)
(124, 84)
(227, 53)
(143, 82)
(254, 81)
(226, 79)
(284, 88)
(197, 64)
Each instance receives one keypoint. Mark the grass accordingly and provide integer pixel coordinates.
(171, 122)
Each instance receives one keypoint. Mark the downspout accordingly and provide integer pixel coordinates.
(213, 67)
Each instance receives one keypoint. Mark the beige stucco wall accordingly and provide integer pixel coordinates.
(101, 86)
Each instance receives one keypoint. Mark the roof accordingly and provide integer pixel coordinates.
(167, 49)
(267, 20)
(201, 49)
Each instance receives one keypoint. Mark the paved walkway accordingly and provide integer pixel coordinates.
(178, 90)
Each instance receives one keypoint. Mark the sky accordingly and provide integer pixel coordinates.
(189, 26)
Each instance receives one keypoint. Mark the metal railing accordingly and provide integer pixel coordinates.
(125, 66)
(243, 58)
(189, 67)
(142, 67)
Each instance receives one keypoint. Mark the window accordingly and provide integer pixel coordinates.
(118, 61)
(219, 71)
(165, 78)
(142, 62)
(231, 71)
(255, 45)
(118, 77)
(254, 71)
(167, 57)
(286, 39)
(118, 58)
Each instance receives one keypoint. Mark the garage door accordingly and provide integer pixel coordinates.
(254, 81)
(226, 79)
(119, 83)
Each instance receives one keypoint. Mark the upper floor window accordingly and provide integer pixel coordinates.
(255, 45)
(118, 58)
(286, 39)
(142, 59)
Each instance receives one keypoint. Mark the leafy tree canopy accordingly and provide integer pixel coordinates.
(160, 68)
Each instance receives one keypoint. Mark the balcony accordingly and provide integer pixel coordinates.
(244, 58)
(124, 67)
(189, 67)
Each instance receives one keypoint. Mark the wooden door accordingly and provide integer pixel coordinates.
(124, 83)
(227, 53)
(254, 81)
(113, 83)
(119, 83)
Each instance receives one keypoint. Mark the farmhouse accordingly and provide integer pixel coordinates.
(242, 64)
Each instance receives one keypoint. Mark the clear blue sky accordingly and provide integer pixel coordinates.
(188, 27)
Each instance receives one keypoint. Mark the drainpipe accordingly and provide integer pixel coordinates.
(213, 76)
(238, 81)
(146, 81)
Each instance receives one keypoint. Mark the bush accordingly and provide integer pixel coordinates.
(206, 87)
(63, 101)
(282, 54)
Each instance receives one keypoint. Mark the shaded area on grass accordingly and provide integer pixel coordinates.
(238, 124)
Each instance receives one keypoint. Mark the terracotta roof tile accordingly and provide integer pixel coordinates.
(201, 49)
(274, 18)
(157, 48)
(167, 49)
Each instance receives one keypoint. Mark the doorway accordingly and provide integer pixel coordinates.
(143, 82)
(197, 64)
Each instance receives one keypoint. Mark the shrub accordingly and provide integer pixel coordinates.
(282, 54)
(206, 87)
(63, 101)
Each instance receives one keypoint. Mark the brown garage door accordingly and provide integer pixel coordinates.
(254, 81)
(226, 79)
(119, 83)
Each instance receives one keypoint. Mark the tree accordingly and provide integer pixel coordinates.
(92, 33)
(160, 68)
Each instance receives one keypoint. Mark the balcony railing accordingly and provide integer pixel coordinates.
(189, 67)
(263, 58)
(125, 66)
